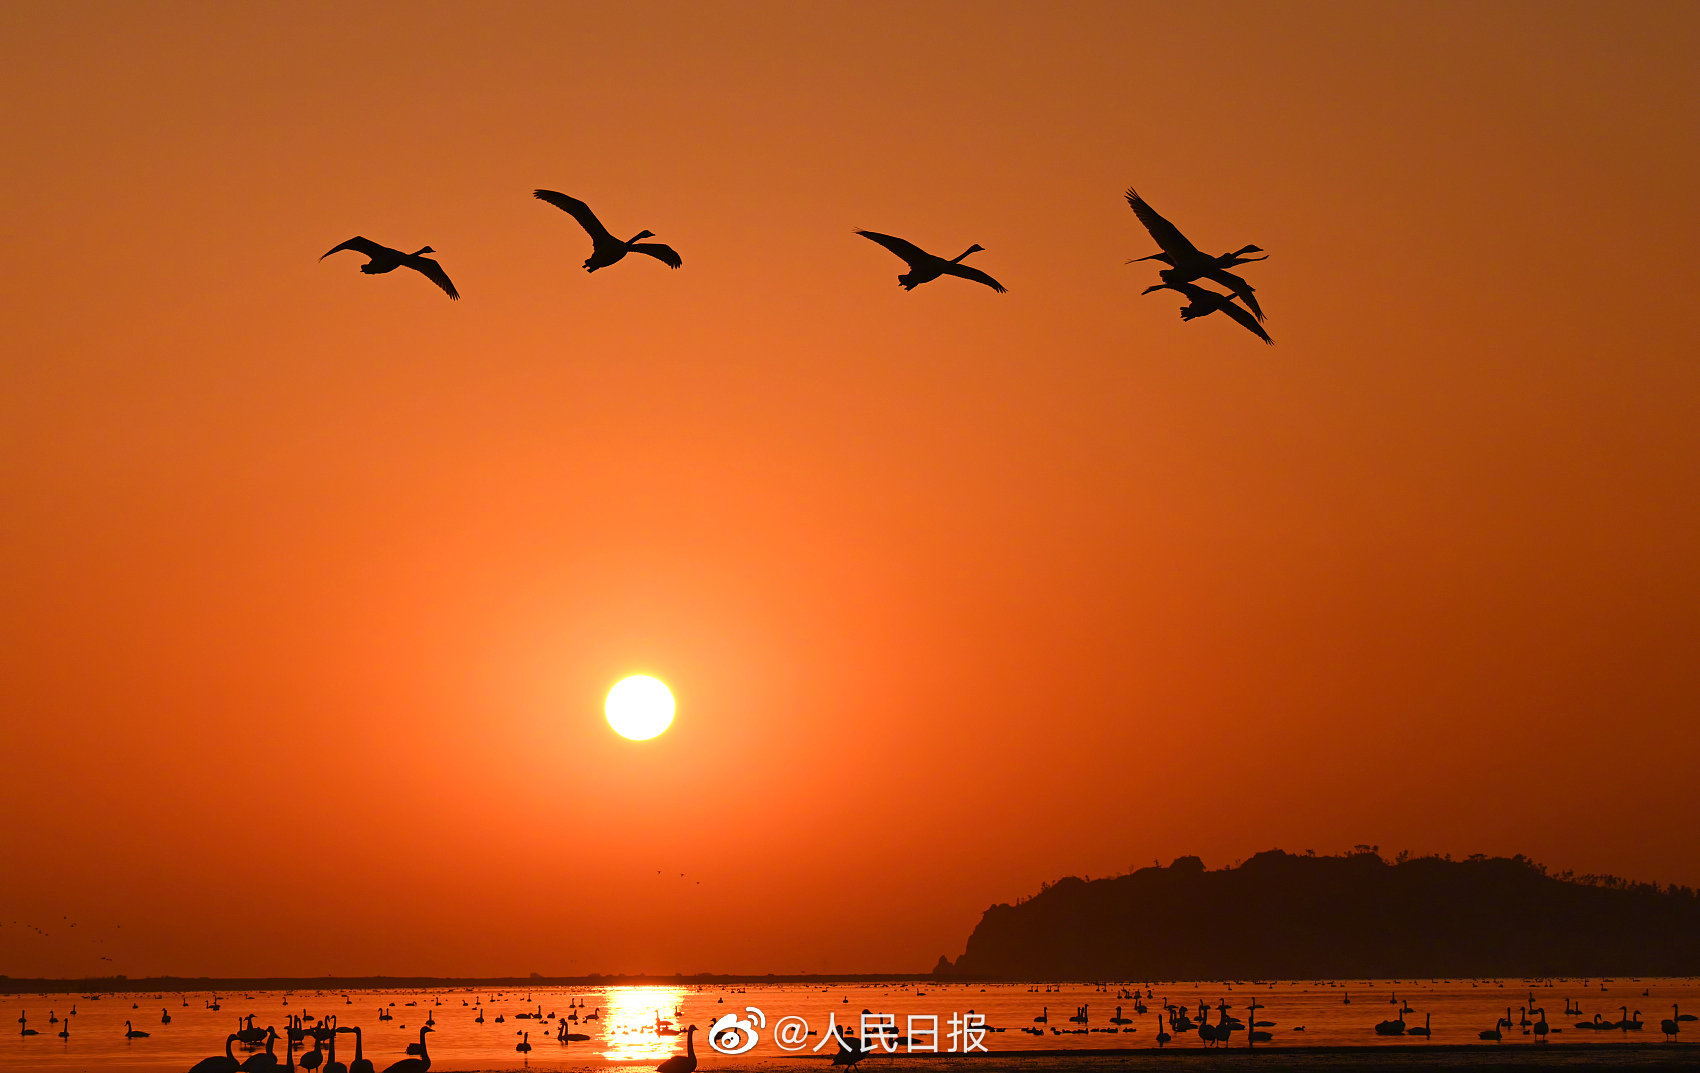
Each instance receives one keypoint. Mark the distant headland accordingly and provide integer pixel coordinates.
(1290, 916)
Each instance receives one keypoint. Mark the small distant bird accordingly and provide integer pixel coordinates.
(130, 1032)
(1204, 302)
(925, 267)
(1187, 262)
(605, 248)
(383, 259)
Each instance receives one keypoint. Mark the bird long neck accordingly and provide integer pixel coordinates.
(958, 258)
(228, 1040)
(690, 1044)
(357, 1043)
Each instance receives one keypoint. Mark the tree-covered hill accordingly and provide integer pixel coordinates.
(1281, 915)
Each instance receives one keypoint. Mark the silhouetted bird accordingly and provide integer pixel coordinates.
(421, 1060)
(219, 1063)
(679, 1063)
(361, 1063)
(1494, 1033)
(1203, 302)
(383, 259)
(132, 1033)
(925, 267)
(266, 1060)
(850, 1050)
(1206, 1030)
(606, 249)
(1187, 262)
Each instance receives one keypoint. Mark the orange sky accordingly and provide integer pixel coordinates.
(314, 582)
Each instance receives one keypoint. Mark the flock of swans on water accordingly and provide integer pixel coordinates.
(322, 1033)
(1221, 1033)
(1186, 262)
(1173, 1021)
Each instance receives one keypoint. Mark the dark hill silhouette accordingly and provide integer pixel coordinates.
(1281, 915)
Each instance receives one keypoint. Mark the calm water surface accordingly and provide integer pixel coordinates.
(625, 1032)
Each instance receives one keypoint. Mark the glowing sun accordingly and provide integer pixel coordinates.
(639, 707)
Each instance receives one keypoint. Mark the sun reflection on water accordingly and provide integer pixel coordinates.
(629, 1023)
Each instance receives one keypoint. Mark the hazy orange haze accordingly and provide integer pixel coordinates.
(314, 582)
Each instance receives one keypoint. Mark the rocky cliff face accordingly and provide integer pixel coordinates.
(1280, 915)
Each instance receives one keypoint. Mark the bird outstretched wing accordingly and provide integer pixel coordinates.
(1246, 320)
(1167, 234)
(660, 251)
(579, 211)
(976, 275)
(433, 271)
(359, 245)
(910, 252)
(1239, 286)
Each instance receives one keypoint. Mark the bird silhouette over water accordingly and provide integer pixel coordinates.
(680, 1063)
(925, 267)
(421, 1060)
(851, 1049)
(1204, 302)
(221, 1063)
(1187, 262)
(383, 259)
(606, 249)
(361, 1063)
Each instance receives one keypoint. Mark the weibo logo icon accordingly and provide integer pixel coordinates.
(731, 1034)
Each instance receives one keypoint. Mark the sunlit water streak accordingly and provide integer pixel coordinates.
(625, 1034)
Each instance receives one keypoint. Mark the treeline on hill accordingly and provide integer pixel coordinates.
(1287, 916)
